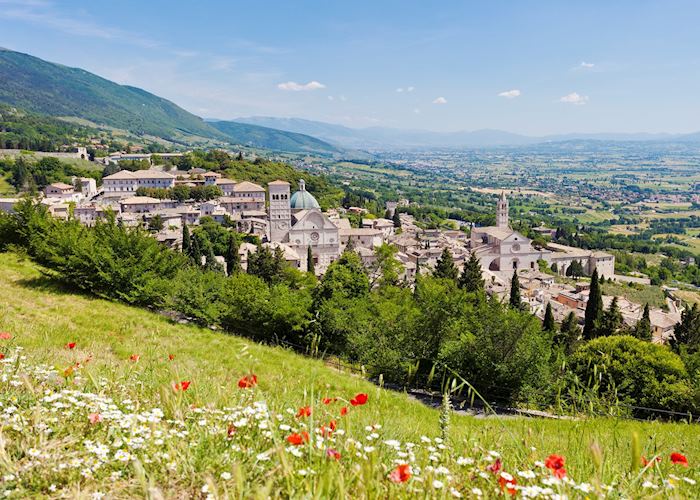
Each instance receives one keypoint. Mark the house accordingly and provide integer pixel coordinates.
(210, 178)
(8, 204)
(226, 186)
(362, 237)
(139, 205)
(59, 190)
(125, 182)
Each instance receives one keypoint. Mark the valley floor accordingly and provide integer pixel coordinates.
(127, 361)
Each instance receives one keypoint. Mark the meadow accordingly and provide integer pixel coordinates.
(101, 399)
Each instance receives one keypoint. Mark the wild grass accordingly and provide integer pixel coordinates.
(211, 461)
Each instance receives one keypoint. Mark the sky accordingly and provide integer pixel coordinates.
(531, 67)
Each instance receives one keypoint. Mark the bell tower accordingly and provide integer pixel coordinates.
(502, 211)
(280, 213)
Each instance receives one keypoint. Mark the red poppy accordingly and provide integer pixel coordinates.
(646, 462)
(333, 425)
(181, 386)
(231, 430)
(171, 357)
(679, 459)
(359, 399)
(2, 356)
(495, 467)
(304, 412)
(70, 345)
(134, 357)
(248, 382)
(298, 439)
(508, 485)
(334, 454)
(327, 401)
(5, 336)
(401, 473)
(95, 418)
(343, 411)
(555, 463)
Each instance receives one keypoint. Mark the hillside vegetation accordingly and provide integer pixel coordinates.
(98, 387)
(39, 86)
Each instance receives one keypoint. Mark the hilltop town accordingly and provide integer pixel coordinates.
(295, 224)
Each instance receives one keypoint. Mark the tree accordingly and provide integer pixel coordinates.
(233, 258)
(642, 330)
(632, 371)
(267, 264)
(611, 320)
(686, 334)
(211, 263)
(471, 279)
(186, 240)
(156, 223)
(594, 308)
(387, 267)
(555, 268)
(569, 333)
(196, 252)
(515, 300)
(548, 324)
(396, 219)
(310, 268)
(445, 267)
(575, 269)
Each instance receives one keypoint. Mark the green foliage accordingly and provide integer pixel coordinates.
(515, 301)
(642, 330)
(310, 261)
(686, 335)
(569, 335)
(471, 279)
(548, 324)
(594, 308)
(267, 264)
(611, 320)
(445, 267)
(634, 371)
(30, 173)
(575, 270)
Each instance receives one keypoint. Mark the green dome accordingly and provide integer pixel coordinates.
(303, 200)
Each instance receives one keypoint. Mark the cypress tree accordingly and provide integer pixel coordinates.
(196, 252)
(471, 278)
(569, 333)
(594, 309)
(445, 267)
(642, 329)
(186, 240)
(396, 219)
(310, 261)
(233, 259)
(611, 320)
(548, 324)
(515, 300)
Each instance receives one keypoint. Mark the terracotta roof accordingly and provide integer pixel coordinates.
(278, 182)
(246, 186)
(136, 200)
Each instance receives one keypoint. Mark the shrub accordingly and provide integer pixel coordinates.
(636, 372)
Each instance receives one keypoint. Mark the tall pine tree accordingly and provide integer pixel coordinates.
(445, 267)
(642, 330)
(310, 261)
(471, 278)
(515, 300)
(611, 320)
(233, 258)
(186, 240)
(594, 309)
(548, 324)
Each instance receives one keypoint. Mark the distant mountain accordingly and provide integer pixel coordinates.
(33, 84)
(383, 138)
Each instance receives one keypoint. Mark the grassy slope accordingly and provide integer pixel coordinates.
(43, 318)
(277, 140)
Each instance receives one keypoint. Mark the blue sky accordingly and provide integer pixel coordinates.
(533, 67)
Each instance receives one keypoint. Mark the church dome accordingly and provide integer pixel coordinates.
(303, 200)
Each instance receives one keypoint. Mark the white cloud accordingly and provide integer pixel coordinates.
(343, 98)
(296, 87)
(407, 89)
(586, 65)
(440, 100)
(399, 90)
(410, 89)
(510, 94)
(574, 98)
(416, 111)
(331, 98)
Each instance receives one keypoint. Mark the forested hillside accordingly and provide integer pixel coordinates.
(39, 86)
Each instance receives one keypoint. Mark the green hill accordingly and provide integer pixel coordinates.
(106, 414)
(270, 138)
(40, 86)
